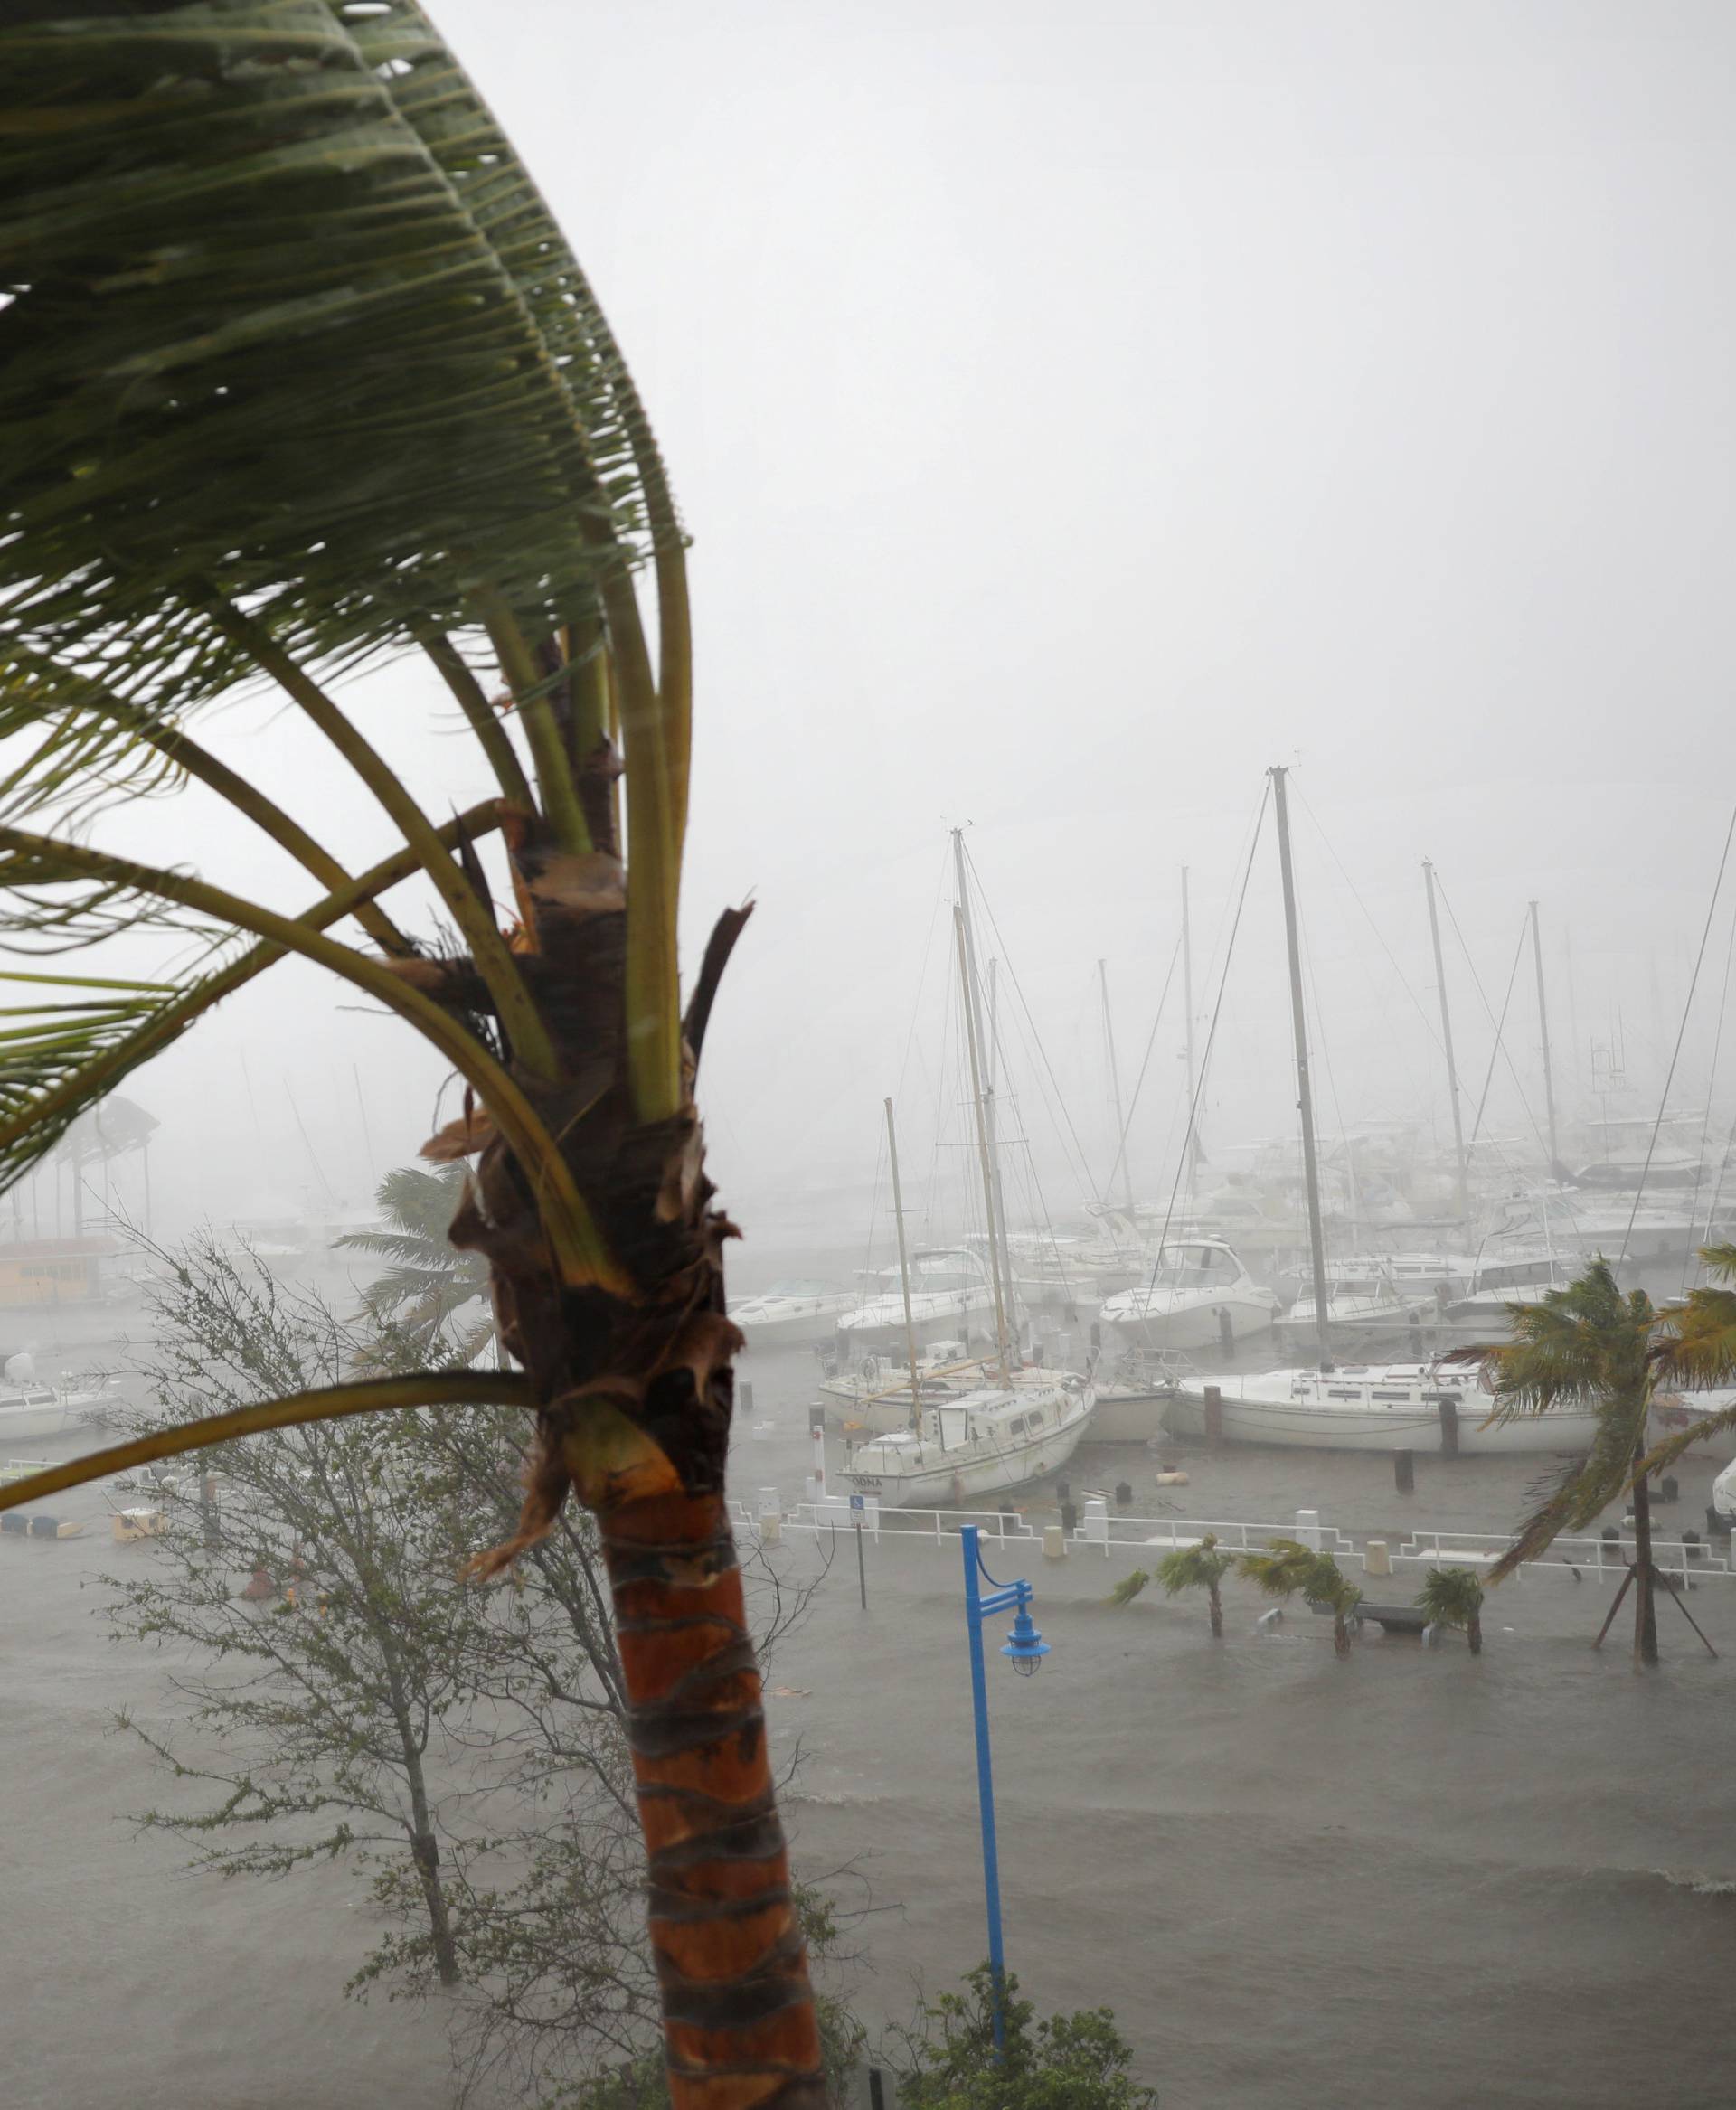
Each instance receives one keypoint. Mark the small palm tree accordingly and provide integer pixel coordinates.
(1591, 1344)
(1190, 1568)
(1453, 1596)
(428, 1283)
(1288, 1568)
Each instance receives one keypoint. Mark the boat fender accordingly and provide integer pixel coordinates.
(1172, 1480)
(958, 1490)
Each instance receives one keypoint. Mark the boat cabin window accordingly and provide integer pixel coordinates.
(1196, 1263)
(942, 1271)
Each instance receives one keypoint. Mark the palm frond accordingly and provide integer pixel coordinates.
(1672, 1448)
(329, 1403)
(1128, 1587)
(255, 250)
(71, 1057)
(1586, 1488)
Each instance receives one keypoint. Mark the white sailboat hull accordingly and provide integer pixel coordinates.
(1259, 1411)
(28, 1418)
(937, 1478)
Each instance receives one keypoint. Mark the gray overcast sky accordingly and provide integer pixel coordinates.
(1077, 410)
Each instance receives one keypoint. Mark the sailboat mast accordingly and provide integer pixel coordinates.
(1114, 1095)
(903, 1269)
(1305, 1095)
(1194, 1152)
(961, 930)
(1446, 1040)
(985, 1086)
(1542, 1020)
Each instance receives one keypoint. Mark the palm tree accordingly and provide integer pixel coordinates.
(1588, 1345)
(1287, 1568)
(1453, 1596)
(428, 1282)
(304, 375)
(1190, 1568)
(1695, 1345)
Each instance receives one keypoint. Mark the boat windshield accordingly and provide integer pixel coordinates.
(1195, 1264)
(798, 1286)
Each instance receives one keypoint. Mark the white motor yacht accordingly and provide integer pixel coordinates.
(796, 1313)
(1198, 1296)
(978, 1444)
(1373, 1406)
(952, 1295)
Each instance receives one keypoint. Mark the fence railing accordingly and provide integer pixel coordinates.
(1104, 1531)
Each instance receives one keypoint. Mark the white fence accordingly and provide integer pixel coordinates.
(1105, 1531)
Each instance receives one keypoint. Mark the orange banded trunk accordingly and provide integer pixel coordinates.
(739, 2025)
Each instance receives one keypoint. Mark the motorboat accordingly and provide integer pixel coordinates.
(951, 1295)
(1354, 1305)
(1198, 1296)
(1373, 1407)
(978, 1444)
(795, 1313)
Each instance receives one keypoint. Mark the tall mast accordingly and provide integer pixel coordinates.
(1305, 1095)
(903, 1269)
(1446, 1040)
(1543, 1020)
(985, 1084)
(962, 929)
(1193, 1151)
(1114, 1094)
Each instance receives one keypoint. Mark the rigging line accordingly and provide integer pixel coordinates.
(1382, 995)
(1488, 1078)
(1427, 1024)
(1307, 952)
(1151, 1041)
(1476, 983)
(1705, 1125)
(922, 974)
(1018, 990)
(1681, 1033)
(1211, 1035)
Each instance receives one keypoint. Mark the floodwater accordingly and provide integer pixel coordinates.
(1409, 1878)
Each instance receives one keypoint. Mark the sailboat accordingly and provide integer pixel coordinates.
(997, 1435)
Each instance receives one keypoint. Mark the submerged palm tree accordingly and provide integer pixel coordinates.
(299, 373)
(424, 1291)
(1190, 1568)
(1287, 1568)
(1588, 1345)
(1453, 1596)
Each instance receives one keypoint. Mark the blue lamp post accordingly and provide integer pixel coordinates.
(1025, 1648)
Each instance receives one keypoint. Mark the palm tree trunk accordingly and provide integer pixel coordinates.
(1473, 1633)
(1645, 1602)
(724, 1929)
(1340, 1635)
(1217, 1612)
